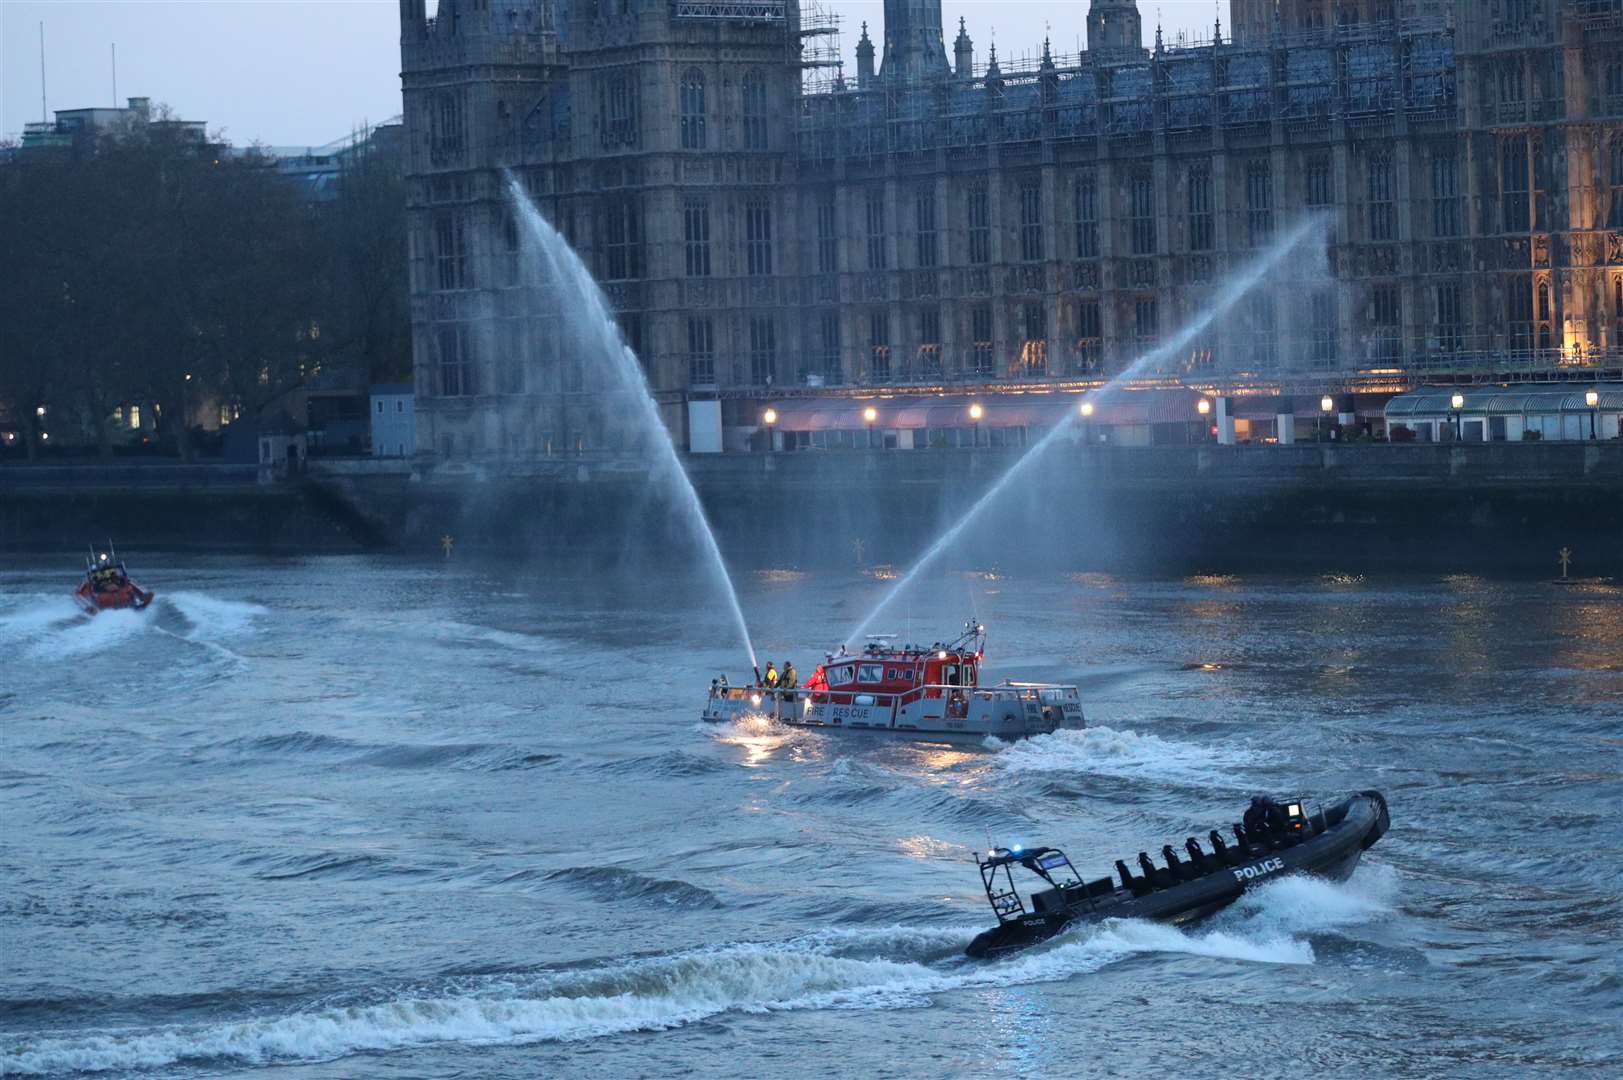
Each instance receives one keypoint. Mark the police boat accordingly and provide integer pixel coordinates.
(1277, 837)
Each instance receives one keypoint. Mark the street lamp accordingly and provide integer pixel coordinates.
(1457, 402)
(770, 417)
(1086, 409)
(975, 414)
(1204, 408)
(1592, 399)
(1326, 404)
(869, 415)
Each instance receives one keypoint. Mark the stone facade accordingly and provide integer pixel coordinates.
(932, 225)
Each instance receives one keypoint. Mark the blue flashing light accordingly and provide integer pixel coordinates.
(1016, 849)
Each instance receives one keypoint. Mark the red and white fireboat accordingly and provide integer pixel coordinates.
(107, 585)
(906, 690)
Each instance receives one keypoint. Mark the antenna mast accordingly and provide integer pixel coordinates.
(114, 47)
(43, 115)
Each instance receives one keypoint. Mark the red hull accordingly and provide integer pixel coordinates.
(128, 595)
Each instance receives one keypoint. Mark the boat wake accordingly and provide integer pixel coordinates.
(1124, 754)
(868, 968)
(49, 626)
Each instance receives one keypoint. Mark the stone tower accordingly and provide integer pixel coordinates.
(1114, 26)
(963, 52)
(914, 50)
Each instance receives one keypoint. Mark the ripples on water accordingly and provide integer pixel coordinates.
(347, 816)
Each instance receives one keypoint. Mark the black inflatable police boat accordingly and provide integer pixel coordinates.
(1277, 837)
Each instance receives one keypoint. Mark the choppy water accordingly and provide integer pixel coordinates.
(347, 817)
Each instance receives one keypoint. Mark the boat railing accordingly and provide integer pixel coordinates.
(878, 698)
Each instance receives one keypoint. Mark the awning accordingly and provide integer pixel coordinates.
(1028, 410)
(1433, 402)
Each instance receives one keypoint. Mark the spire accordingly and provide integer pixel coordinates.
(864, 60)
(963, 53)
(994, 75)
(1048, 57)
(1160, 46)
(913, 47)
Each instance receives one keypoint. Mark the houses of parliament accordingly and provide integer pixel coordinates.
(767, 223)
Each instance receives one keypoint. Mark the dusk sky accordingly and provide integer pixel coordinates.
(305, 72)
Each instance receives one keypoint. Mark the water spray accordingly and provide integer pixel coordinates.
(583, 300)
(1230, 295)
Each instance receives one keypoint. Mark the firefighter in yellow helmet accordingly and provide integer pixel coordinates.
(770, 680)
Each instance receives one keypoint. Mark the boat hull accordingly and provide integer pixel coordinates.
(1332, 854)
(129, 597)
(975, 713)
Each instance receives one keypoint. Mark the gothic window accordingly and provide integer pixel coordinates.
(1089, 337)
(1320, 190)
(456, 361)
(763, 350)
(1544, 301)
(930, 341)
(924, 222)
(1513, 184)
(758, 237)
(829, 342)
(828, 238)
(1324, 337)
(1259, 202)
(1516, 12)
(622, 240)
(1142, 206)
(1146, 321)
(980, 336)
(1445, 196)
(1541, 186)
(617, 109)
(1614, 216)
(1264, 341)
(1519, 311)
(876, 229)
(510, 259)
(1386, 316)
(450, 251)
(1087, 218)
(1031, 222)
(446, 137)
(693, 137)
(1382, 215)
(879, 346)
(696, 237)
(1034, 347)
(701, 351)
(1200, 208)
(756, 118)
(1613, 83)
(980, 227)
(1450, 318)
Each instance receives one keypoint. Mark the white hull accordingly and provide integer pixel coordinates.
(1006, 712)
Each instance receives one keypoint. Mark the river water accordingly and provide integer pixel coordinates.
(374, 817)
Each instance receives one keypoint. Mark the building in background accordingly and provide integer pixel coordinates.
(766, 227)
(75, 131)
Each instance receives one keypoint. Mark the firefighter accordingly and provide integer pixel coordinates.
(791, 677)
(770, 681)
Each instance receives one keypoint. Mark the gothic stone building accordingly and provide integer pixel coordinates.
(938, 222)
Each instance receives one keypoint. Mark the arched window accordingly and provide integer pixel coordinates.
(755, 111)
(1614, 218)
(445, 129)
(693, 109)
(1544, 301)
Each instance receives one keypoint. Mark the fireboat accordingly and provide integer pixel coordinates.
(107, 585)
(906, 690)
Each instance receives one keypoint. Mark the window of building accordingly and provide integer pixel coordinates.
(1142, 205)
(1614, 216)
(1386, 316)
(450, 251)
(1089, 337)
(1264, 341)
(828, 238)
(1200, 208)
(758, 237)
(924, 226)
(763, 350)
(1325, 337)
(446, 139)
(1382, 214)
(1320, 189)
(1146, 321)
(701, 351)
(1259, 203)
(456, 361)
(1087, 218)
(1034, 346)
(622, 240)
(1513, 184)
(1031, 222)
(696, 237)
(980, 226)
(1445, 195)
(757, 123)
(1519, 311)
(930, 341)
(876, 229)
(829, 347)
(693, 133)
(878, 346)
(980, 336)
(617, 109)
(510, 245)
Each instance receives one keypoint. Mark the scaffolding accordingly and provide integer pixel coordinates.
(820, 63)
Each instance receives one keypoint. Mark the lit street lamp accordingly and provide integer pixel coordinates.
(1457, 402)
(869, 415)
(769, 418)
(975, 414)
(1326, 404)
(1592, 399)
(1086, 410)
(1204, 408)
